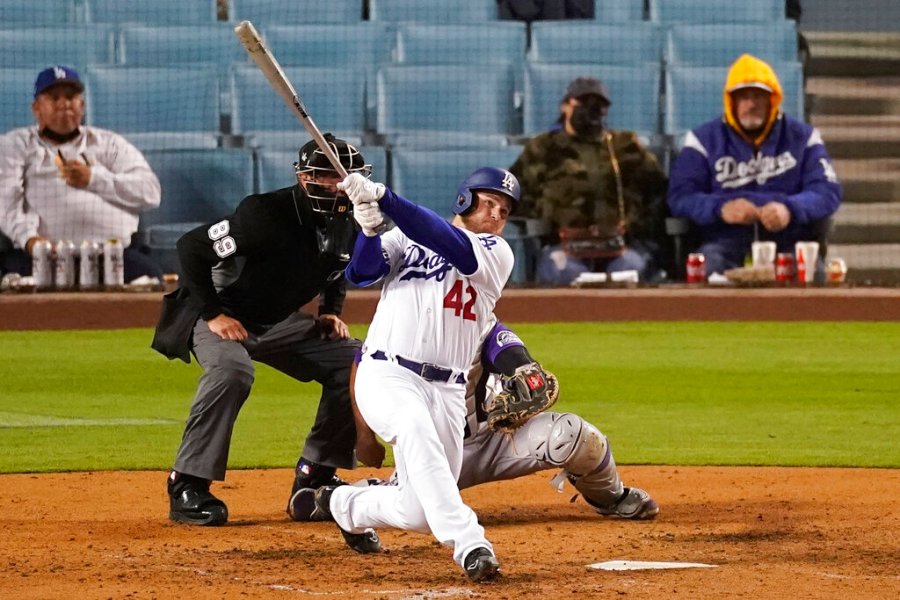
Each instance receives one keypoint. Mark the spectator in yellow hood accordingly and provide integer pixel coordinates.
(753, 173)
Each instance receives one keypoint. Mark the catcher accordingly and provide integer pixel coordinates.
(510, 433)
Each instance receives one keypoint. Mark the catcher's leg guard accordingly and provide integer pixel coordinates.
(568, 441)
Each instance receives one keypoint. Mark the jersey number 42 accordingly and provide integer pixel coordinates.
(461, 303)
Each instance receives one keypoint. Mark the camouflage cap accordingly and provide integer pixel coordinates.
(587, 86)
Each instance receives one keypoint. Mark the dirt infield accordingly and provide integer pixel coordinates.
(771, 532)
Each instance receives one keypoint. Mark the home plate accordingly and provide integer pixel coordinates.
(639, 565)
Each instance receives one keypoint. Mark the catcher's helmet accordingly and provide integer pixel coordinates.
(486, 178)
(312, 161)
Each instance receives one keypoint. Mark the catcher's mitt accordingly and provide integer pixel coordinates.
(530, 391)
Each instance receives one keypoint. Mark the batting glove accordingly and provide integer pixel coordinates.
(369, 217)
(360, 189)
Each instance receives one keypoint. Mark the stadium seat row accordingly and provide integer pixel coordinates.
(377, 44)
(199, 12)
(443, 100)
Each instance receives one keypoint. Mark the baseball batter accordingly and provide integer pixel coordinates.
(440, 284)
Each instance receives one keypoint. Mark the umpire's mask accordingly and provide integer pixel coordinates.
(332, 211)
(318, 177)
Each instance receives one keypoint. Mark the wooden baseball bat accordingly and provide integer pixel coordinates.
(256, 48)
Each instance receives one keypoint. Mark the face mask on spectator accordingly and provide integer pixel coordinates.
(589, 117)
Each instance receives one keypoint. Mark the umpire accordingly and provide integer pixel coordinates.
(244, 281)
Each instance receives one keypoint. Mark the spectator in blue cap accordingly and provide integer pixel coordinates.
(62, 180)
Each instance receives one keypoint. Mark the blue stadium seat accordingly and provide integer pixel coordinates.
(631, 43)
(142, 99)
(721, 11)
(355, 45)
(16, 96)
(448, 139)
(431, 178)
(292, 139)
(361, 44)
(275, 167)
(472, 44)
(694, 94)
(36, 13)
(151, 12)
(717, 45)
(634, 91)
(149, 46)
(73, 45)
(618, 11)
(334, 97)
(264, 13)
(472, 98)
(433, 11)
(173, 140)
(198, 186)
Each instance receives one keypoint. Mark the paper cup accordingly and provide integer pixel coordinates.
(836, 271)
(806, 254)
(763, 254)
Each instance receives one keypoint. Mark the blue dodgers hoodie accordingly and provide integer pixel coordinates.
(787, 162)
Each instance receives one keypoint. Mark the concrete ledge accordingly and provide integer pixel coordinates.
(676, 303)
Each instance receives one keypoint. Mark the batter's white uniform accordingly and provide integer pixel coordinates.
(429, 312)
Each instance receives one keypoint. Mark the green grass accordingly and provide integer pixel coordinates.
(820, 394)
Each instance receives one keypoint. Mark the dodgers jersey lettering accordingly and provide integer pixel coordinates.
(434, 322)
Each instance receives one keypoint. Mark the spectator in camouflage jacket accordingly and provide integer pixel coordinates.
(570, 181)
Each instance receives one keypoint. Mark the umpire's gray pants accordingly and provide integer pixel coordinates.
(295, 348)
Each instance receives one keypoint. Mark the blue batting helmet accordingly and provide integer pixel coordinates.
(486, 178)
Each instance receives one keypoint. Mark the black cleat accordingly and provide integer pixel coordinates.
(309, 476)
(481, 565)
(190, 502)
(634, 504)
(302, 506)
(364, 543)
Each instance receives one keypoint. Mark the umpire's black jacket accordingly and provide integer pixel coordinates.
(258, 266)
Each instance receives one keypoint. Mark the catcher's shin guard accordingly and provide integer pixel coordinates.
(568, 441)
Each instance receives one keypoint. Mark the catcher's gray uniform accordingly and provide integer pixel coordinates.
(550, 440)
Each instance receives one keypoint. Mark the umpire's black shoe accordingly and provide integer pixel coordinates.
(481, 565)
(190, 501)
(364, 543)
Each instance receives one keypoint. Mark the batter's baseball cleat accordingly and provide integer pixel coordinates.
(302, 506)
(190, 501)
(481, 565)
(309, 476)
(364, 543)
(635, 504)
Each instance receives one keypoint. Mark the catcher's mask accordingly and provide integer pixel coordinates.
(487, 178)
(321, 176)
